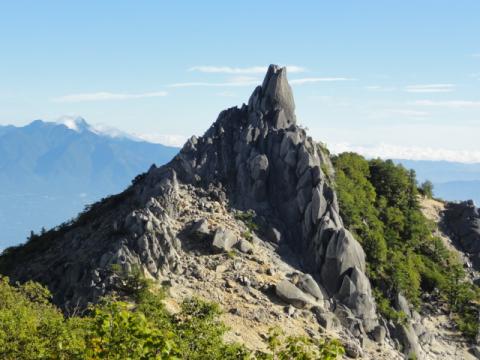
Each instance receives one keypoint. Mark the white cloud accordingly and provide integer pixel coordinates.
(389, 151)
(106, 96)
(164, 139)
(449, 103)
(79, 124)
(430, 88)
(476, 56)
(75, 123)
(246, 70)
(317, 79)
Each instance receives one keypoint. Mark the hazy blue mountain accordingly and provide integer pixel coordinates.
(49, 171)
(451, 180)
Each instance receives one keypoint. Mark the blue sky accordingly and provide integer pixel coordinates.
(396, 79)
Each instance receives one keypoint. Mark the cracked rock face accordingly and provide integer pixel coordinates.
(463, 221)
(254, 157)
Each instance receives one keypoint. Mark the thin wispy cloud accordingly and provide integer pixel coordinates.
(311, 80)
(430, 88)
(106, 96)
(448, 103)
(389, 151)
(242, 70)
(476, 55)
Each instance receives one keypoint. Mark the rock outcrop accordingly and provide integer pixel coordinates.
(462, 220)
(254, 158)
(267, 163)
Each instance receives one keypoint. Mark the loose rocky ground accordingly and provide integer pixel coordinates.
(244, 284)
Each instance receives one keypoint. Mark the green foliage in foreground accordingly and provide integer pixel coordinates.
(300, 347)
(32, 328)
(379, 204)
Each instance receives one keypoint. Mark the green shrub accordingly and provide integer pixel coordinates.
(32, 328)
(248, 217)
(137, 328)
(426, 188)
(283, 347)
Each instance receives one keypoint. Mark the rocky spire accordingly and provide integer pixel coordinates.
(274, 98)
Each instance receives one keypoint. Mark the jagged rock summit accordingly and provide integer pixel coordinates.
(253, 158)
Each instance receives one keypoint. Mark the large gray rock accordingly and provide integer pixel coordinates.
(274, 235)
(409, 340)
(245, 246)
(343, 253)
(200, 229)
(401, 304)
(379, 334)
(349, 321)
(463, 222)
(224, 240)
(308, 284)
(326, 320)
(289, 293)
(353, 350)
(259, 167)
(357, 294)
(319, 204)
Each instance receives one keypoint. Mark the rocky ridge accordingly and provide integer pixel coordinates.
(245, 215)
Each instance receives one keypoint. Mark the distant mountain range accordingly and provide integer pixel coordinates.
(50, 171)
(452, 180)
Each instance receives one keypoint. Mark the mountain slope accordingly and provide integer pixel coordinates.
(252, 158)
(49, 171)
(246, 215)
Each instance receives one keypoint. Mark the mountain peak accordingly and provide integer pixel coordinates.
(75, 123)
(275, 98)
(253, 160)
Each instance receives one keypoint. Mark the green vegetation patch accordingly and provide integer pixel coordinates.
(133, 327)
(379, 205)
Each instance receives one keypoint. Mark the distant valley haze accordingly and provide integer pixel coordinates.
(49, 171)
